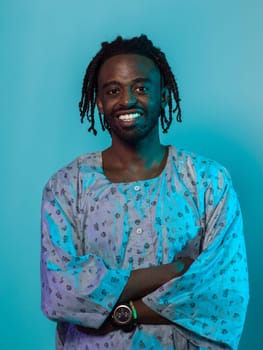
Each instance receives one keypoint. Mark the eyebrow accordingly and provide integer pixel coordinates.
(134, 81)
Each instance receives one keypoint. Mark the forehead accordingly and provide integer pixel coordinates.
(128, 67)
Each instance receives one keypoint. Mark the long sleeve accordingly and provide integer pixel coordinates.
(211, 298)
(77, 287)
(95, 232)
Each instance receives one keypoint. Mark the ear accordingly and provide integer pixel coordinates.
(99, 105)
(164, 97)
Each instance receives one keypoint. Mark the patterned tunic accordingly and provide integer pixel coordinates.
(95, 232)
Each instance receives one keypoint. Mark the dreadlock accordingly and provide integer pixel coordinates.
(138, 45)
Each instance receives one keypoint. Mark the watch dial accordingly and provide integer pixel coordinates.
(123, 314)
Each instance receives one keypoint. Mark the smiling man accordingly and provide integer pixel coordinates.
(142, 243)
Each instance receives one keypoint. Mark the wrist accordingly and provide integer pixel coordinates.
(146, 315)
(124, 316)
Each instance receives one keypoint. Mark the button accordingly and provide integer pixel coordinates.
(137, 188)
(139, 231)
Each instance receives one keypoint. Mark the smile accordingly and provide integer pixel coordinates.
(130, 116)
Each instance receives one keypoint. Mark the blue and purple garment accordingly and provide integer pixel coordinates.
(95, 232)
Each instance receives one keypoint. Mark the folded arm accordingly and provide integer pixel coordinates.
(78, 287)
(210, 298)
(141, 283)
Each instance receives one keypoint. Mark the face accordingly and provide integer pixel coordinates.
(130, 96)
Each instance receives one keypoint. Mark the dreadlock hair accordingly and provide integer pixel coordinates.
(138, 45)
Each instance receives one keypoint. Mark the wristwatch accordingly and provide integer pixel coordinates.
(124, 316)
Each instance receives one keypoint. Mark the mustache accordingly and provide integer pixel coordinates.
(123, 110)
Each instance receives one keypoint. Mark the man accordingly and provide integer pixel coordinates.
(142, 244)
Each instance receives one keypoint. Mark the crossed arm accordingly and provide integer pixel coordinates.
(141, 283)
(79, 275)
(79, 287)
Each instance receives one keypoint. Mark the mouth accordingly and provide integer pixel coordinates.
(127, 117)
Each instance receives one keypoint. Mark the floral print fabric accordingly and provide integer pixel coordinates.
(95, 232)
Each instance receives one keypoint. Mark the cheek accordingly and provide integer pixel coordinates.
(150, 101)
(105, 106)
(154, 106)
(154, 100)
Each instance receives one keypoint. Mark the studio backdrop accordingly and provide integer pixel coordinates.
(215, 50)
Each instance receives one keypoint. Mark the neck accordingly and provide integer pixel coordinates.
(144, 153)
(129, 162)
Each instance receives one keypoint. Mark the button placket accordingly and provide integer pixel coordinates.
(138, 230)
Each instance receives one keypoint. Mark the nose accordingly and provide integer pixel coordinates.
(128, 98)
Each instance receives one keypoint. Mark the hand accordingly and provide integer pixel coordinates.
(183, 264)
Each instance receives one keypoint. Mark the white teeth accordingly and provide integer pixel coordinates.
(128, 117)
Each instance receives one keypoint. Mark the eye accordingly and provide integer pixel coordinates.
(113, 91)
(142, 89)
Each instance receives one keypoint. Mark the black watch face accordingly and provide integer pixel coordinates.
(123, 314)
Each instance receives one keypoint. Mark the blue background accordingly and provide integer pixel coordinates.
(215, 49)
